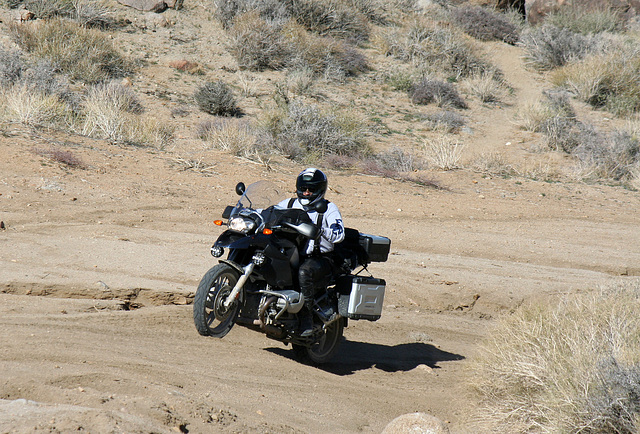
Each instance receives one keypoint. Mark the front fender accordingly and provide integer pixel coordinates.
(234, 240)
(233, 265)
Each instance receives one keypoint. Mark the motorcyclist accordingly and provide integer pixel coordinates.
(317, 266)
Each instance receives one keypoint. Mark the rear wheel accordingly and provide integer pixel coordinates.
(323, 350)
(210, 315)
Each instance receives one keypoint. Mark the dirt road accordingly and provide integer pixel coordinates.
(98, 267)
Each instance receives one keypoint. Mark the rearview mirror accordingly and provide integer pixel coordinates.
(321, 206)
(240, 188)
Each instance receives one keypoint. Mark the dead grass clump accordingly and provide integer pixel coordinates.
(112, 112)
(548, 47)
(24, 104)
(571, 366)
(216, 98)
(485, 25)
(84, 55)
(486, 86)
(439, 92)
(444, 152)
(492, 164)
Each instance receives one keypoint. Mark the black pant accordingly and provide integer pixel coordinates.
(314, 274)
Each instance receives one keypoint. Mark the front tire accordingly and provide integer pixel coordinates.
(210, 315)
(323, 350)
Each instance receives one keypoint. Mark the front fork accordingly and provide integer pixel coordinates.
(235, 292)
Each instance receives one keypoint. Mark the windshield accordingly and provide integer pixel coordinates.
(260, 195)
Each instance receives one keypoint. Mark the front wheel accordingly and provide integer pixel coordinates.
(210, 315)
(323, 349)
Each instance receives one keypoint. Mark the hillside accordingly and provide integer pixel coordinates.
(100, 259)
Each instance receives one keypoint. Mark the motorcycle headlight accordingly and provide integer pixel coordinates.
(240, 224)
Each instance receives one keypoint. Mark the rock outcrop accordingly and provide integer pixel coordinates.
(422, 423)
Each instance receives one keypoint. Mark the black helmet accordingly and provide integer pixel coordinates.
(313, 180)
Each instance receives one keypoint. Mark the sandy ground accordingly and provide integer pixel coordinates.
(98, 267)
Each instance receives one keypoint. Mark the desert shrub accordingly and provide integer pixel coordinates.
(548, 47)
(333, 18)
(330, 58)
(586, 20)
(485, 25)
(46, 9)
(305, 133)
(11, 67)
(257, 44)
(608, 79)
(445, 120)
(614, 155)
(85, 55)
(439, 92)
(432, 49)
(443, 152)
(568, 366)
(270, 10)
(398, 160)
(88, 13)
(216, 98)
(325, 17)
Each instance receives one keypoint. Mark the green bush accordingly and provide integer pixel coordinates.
(571, 366)
(216, 98)
(485, 25)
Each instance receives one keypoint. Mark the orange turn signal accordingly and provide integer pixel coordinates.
(217, 222)
(267, 231)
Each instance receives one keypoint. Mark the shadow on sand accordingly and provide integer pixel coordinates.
(357, 356)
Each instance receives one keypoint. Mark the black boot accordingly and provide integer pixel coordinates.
(306, 322)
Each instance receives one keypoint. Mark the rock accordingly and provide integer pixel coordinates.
(536, 10)
(152, 5)
(418, 423)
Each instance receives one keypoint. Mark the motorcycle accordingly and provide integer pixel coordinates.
(256, 286)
